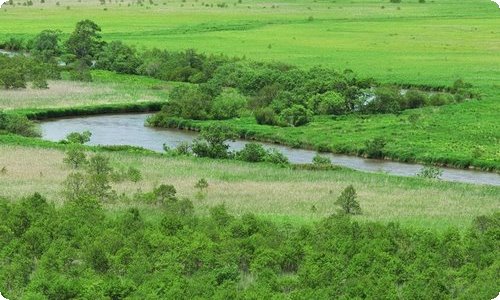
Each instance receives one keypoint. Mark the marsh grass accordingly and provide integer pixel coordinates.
(107, 88)
(277, 193)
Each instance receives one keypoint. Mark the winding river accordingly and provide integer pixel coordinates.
(129, 129)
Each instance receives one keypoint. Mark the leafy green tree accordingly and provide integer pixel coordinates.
(75, 157)
(118, 57)
(45, 46)
(212, 142)
(85, 41)
(252, 152)
(347, 201)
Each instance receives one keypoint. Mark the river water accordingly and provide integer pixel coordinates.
(129, 129)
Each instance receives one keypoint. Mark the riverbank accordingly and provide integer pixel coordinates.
(462, 141)
(129, 129)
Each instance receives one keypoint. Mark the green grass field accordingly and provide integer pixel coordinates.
(431, 43)
(280, 194)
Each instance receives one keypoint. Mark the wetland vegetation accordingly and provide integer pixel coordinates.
(410, 81)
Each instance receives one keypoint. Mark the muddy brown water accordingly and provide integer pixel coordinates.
(129, 129)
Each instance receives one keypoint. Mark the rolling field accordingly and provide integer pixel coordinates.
(431, 43)
(410, 42)
(278, 193)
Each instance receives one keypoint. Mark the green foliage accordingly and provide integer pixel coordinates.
(252, 152)
(118, 57)
(81, 251)
(388, 99)
(415, 98)
(78, 138)
(94, 182)
(375, 148)
(75, 157)
(347, 201)
(18, 124)
(212, 141)
(188, 102)
(45, 46)
(297, 115)
(266, 116)
(85, 41)
(229, 104)
(329, 103)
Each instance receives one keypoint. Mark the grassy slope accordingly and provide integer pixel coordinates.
(432, 43)
(281, 194)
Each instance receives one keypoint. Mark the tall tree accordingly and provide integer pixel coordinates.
(85, 42)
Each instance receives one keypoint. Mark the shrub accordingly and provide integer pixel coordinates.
(375, 148)
(118, 57)
(329, 103)
(297, 115)
(252, 152)
(78, 138)
(188, 102)
(440, 99)
(18, 124)
(212, 141)
(229, 104)
(276, 157)
(415, 98)
(45, 46)
(75, 157)
(266, 116)
(347, 201)
(387, 100)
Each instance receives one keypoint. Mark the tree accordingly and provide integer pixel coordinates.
(213, 141)
(347, 201)
(118, 57)
(45, 46)
(85, 41)
(75, 157)
(329, 103)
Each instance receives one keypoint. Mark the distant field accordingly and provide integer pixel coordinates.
(107, 88)
(267, 190)
(430, 43)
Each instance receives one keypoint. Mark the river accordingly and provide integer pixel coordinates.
(129, 129)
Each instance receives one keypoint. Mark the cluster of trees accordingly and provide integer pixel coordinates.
(17, 71)
(222, 87)
(80, 250)
(212, 143)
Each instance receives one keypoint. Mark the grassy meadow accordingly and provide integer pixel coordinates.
(280, 194)
(107, 88)
(432, 43)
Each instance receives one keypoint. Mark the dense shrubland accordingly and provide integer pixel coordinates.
(81, 250)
